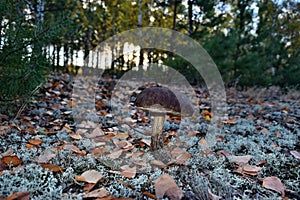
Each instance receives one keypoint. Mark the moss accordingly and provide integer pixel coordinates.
(40, 183)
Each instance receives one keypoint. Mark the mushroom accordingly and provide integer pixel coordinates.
(160, 101)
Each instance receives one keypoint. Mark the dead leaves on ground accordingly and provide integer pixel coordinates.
(274, 183)
(114, 143)
(165, 185)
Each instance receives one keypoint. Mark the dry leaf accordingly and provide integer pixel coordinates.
(3, 166)
(240, 160)
(158, 163)
(274, 183)
(123, 144)
(248, 169)
(296, 154)
(115, 154)
(90, 176)
(4, 130)
(166, 186)
(89, 186)
(74, 149)
(11, 160)
(19, 196)
(98, 193)
(179, 156)
(122, 135)
(146, 141)
(75, 136)
(231, 122)
(45, 157)
(149, 195)
(96, 133)
(128, 172)
(53, 168)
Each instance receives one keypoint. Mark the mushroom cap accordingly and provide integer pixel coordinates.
(164, 100)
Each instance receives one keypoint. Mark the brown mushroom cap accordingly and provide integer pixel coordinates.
(163, 100)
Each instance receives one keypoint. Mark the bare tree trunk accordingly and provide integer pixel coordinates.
(190, 16)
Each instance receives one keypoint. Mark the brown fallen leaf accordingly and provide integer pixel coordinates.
(73, 148)
(240, 160)
(53, 168)
(149, 195)
(90, 176)
(179, 156)
(88, 187)
(46, 156)
(158, 163)
(97, 132)
(98, 193)
(123, 144)
(11, 160)
(115, 154)
(274, 183)
(146, 142)
(19, 196)
(248, 169)
(33, 144)
(3, 166)
(75, 136)
(128, 172)
(166, 186)
(4, 130)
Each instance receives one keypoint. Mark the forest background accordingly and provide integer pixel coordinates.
(252, 42)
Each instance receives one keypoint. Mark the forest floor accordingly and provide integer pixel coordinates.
(88, 141)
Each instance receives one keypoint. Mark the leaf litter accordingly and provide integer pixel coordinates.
(118, 137)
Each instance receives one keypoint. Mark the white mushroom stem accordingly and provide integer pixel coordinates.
(157, 141)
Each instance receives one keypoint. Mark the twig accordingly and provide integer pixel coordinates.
(26, 101)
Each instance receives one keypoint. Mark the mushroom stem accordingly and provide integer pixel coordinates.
(157, 141)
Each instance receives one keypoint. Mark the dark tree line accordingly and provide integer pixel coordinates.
(253, 42)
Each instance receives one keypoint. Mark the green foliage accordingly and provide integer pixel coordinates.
(185, 68)
(22, 63)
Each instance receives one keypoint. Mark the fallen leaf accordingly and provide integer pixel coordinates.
(240, 160)
(166, 186)
(261, 162)
(123, 144)
(75, 136)
(149, 195)
(158, 163)
(115, 154)
(179, 156)
(73, 148)
(230, 122)
(296, 154)
(4, 130)
(46, 156)
(90, 176)
(122, 135)
(98, 193)
(19, 196)
(274, 183)
(146, 141)
(53, 168)
(248, 169)
(89, 186)
(96, 133)
(128, 172)
(11, 160)
(3, 166)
